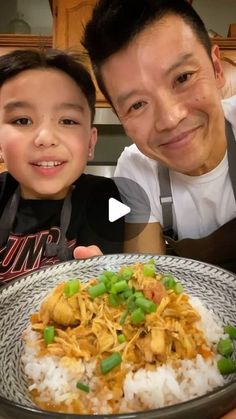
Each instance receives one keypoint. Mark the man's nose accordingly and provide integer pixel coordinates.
(169, 113)
(46, 137)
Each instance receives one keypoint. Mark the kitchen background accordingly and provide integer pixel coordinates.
(35, 17)
(217, 14)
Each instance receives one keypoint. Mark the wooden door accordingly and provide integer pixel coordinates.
(69, 20)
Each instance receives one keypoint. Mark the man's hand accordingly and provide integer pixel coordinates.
(83, 252)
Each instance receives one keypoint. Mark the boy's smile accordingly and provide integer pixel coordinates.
(45, 132)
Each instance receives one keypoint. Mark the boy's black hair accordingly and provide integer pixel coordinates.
(114, 24)
(17, 61)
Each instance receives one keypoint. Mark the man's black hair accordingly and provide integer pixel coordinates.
(115, 23)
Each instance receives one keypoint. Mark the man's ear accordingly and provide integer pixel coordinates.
(219, 73)
(92, 143)
(1, 156)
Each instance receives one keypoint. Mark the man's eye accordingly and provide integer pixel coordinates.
(22, 121)
(183, 78)
(68, 121)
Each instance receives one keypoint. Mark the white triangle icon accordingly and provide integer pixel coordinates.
(117, 210)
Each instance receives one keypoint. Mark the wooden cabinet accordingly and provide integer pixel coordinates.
(9, 42)
(69, 19)
(227, 47)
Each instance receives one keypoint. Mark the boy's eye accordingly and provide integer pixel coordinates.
(137, 105)
(68, 121)
(22, 121)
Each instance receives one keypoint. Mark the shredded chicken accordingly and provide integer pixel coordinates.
(88, 328)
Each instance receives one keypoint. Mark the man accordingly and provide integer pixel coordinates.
(155, 64)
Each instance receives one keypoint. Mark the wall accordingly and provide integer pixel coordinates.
(7, 9)
(216, 14)
(36, 13)
(111, 142)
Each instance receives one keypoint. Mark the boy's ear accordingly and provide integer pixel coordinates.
(219, 73)
(92, 143)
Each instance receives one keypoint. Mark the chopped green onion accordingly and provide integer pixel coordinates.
(169, 281)
(225, 347)
(49, 334)
(119, 286)
(127, 273)
(109, 274)
(102, 278)
(121, 338)
(127, 293)
(110, 362)
(97, 290)
(138, 294)
(146, 305)
(231, 330)
(130, 306)
(137, 316)
(115, 278)
(131, 303)
(124, 316)
(71, 287)
(149, 269)
(226, 365)
(178, 288)
(83, 387)
(113, 300)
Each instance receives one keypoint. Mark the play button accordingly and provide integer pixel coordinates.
(106, 210)
(117, 210)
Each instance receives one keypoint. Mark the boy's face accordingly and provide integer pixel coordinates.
(165, 91)
(45, 132)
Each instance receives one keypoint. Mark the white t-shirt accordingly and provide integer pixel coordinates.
(201, 204)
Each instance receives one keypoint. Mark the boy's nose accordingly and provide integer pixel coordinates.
(46, 137)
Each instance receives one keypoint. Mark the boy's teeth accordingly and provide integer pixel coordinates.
(48, 163)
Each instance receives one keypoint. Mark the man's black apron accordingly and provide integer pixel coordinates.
(219, 247)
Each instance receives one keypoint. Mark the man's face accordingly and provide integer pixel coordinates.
(45, 132)
(165, 91)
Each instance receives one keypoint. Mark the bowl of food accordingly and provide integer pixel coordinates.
(121, 336)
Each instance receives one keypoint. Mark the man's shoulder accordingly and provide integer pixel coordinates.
(133, 153)
(229, 107)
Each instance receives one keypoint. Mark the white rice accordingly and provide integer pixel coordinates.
(167, 386)
(55, 379)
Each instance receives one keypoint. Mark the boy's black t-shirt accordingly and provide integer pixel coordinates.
(37, 222)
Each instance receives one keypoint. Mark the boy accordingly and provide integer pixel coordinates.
(47, 205)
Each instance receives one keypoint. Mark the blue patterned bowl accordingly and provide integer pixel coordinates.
(215, 287)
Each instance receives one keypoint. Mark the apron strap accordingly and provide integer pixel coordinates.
(165, 197)
(59, 249)
(231, 154)
(8, 216)
(165, 185)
